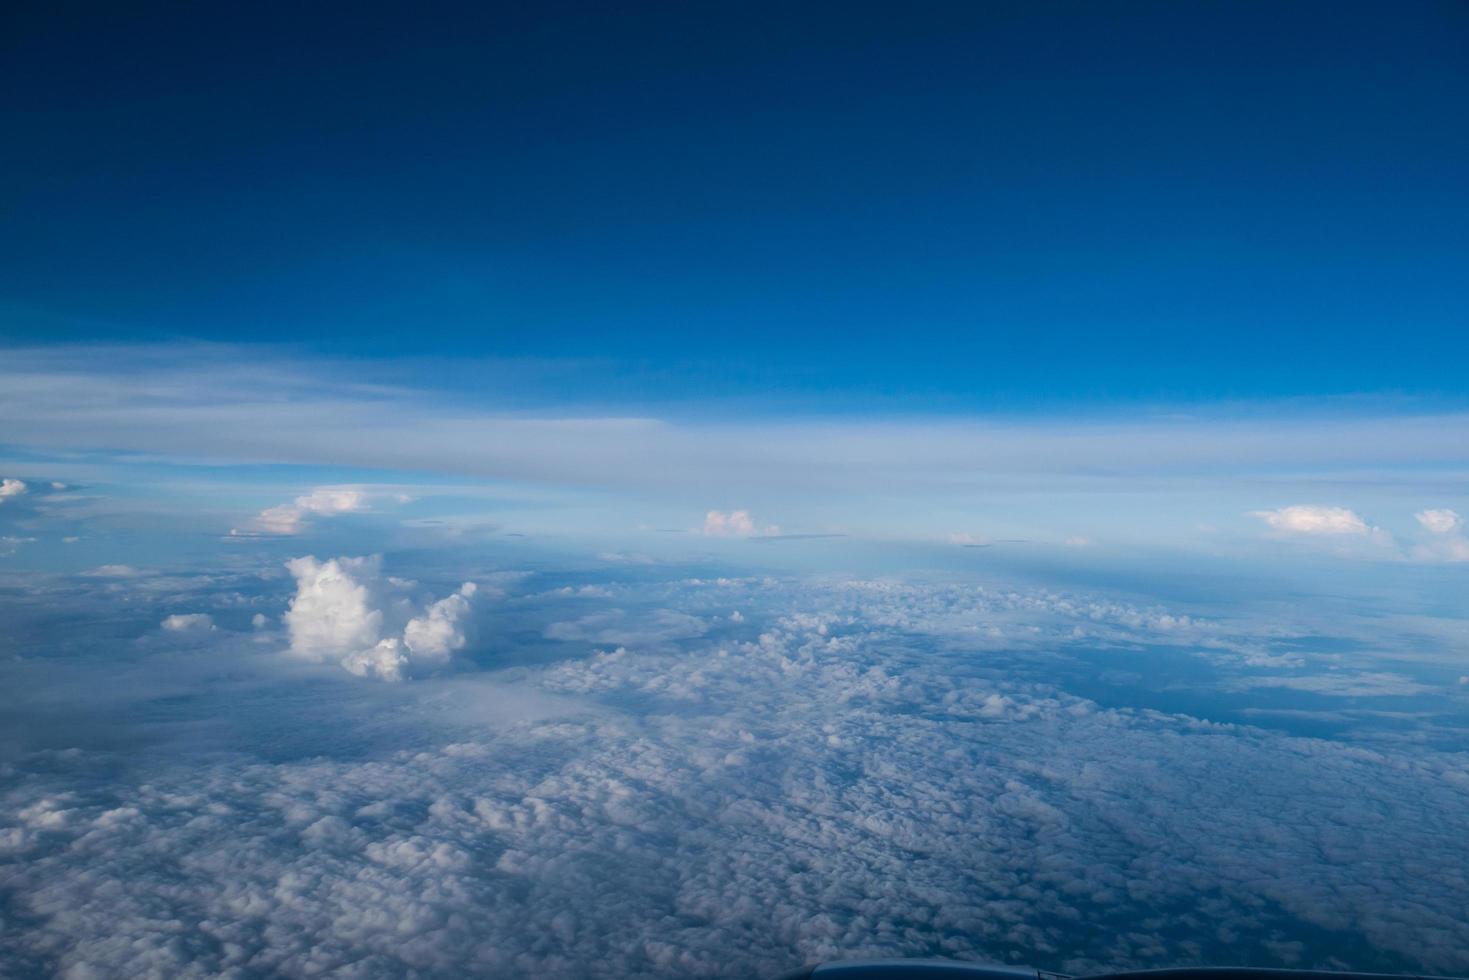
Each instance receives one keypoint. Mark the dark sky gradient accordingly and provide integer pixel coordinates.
(982, 203)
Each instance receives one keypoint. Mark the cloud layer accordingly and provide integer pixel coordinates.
(854, 767)
(213, 403)
(1133, 477)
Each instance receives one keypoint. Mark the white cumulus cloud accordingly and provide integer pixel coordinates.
(439, 632)
(333, 613)
(345, 610)
(11, 488)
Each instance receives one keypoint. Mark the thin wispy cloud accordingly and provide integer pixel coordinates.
(248, 408)
(1440, 521)
(1314, 519)
(293, 518)
(1446, 538)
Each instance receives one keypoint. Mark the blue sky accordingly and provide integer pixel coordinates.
(699, 489)
(952, 207)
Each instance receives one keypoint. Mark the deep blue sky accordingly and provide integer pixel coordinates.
(969, 203)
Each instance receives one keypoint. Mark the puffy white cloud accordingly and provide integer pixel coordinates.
(1442, 521)
(333, 613)
(11, 488)
(188, 623)
(735, 524)
(435, 635)
(386, 659)
(344, 610)
(322, 502)
(1313, 519)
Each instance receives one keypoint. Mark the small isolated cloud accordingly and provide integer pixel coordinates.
(189, 623)
(345, 610)
(1312, 519)
(11, 488)
(292, 518)
(1079, 541)
(1345, 685)
(113, 571)
(627, 558)
(735, 524)
(1442, 521)
(1447, 541)
(616, 628)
